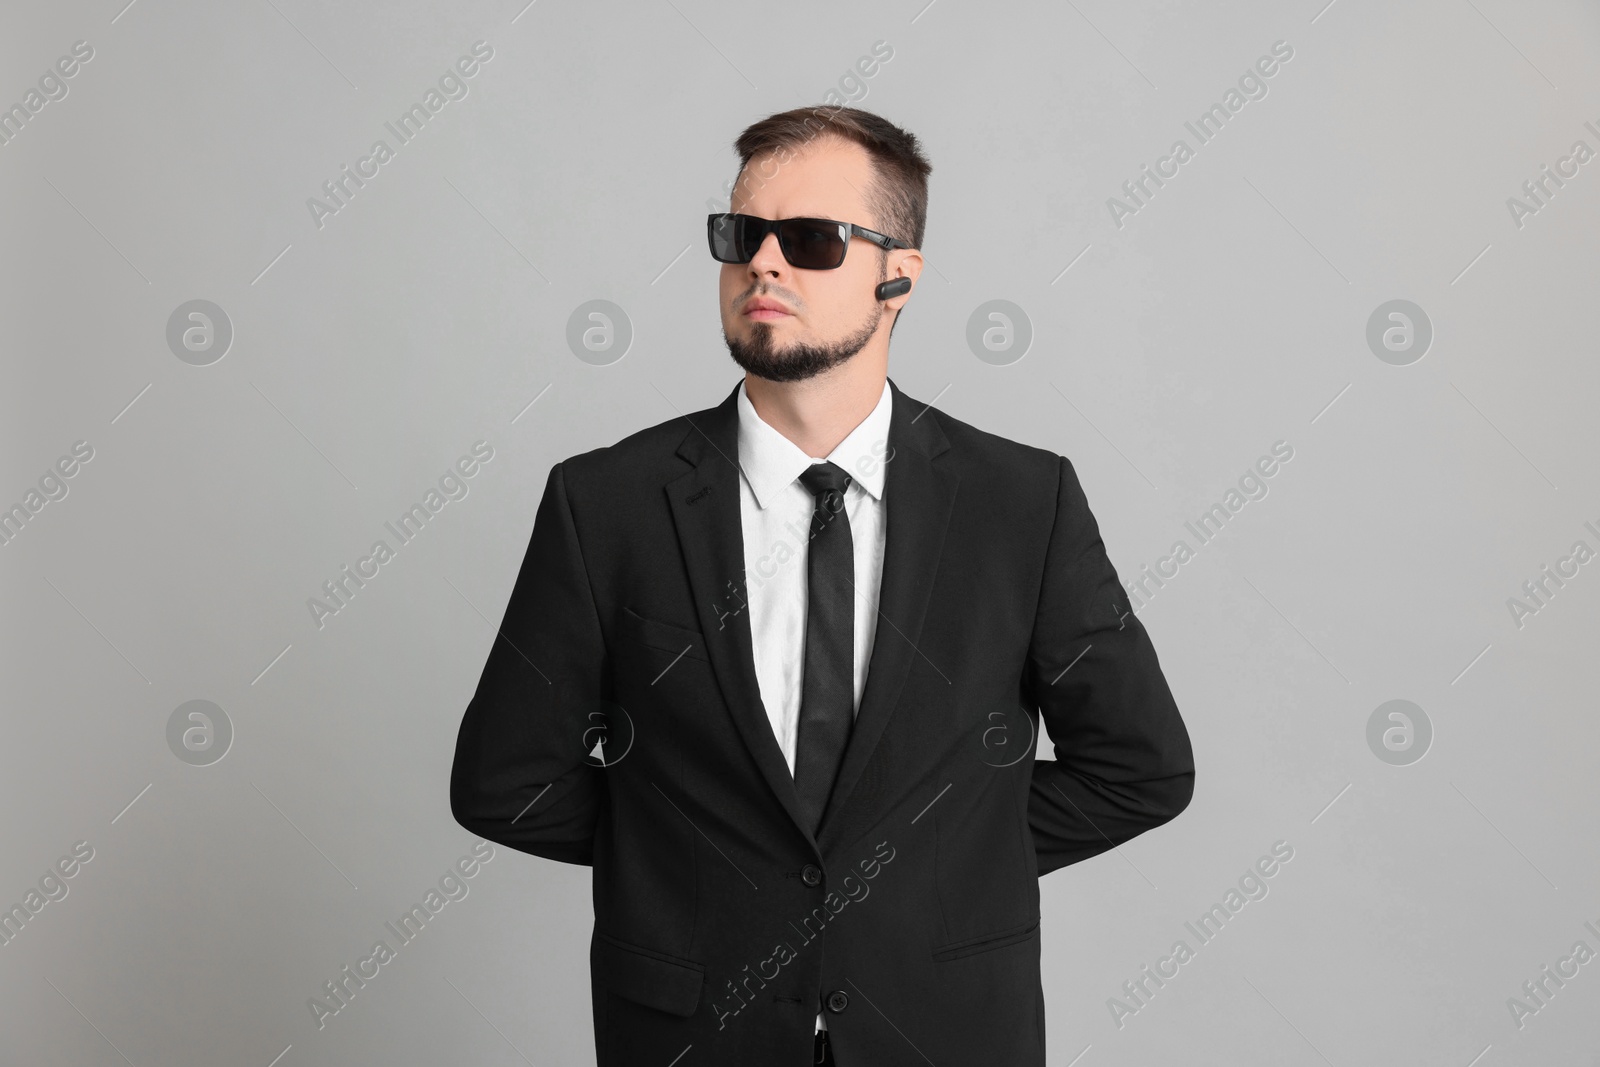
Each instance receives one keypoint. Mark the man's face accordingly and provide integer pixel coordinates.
(828, 315)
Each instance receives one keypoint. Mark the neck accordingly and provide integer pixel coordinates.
(818, 413)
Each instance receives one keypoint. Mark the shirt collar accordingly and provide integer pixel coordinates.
(771, 461)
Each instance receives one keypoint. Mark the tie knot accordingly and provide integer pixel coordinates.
(824, 479)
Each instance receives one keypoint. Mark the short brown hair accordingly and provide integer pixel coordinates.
(899, 193)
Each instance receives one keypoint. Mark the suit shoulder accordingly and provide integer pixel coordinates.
(991, 454)
(647, 455)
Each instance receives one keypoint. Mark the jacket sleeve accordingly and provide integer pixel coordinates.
(520, 777)
(1123, 760)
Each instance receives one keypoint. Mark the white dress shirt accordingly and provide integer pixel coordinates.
(775, 510)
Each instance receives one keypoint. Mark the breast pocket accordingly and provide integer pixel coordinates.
(663, 636)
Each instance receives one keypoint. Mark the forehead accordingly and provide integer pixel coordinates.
(829, 178)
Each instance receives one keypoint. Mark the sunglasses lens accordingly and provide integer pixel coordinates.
(727, 234)
(811, 245)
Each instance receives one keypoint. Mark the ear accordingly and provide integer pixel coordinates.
(904, 263)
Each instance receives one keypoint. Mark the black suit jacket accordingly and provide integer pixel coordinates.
(912, 915)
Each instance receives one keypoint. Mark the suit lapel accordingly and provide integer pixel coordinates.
(918, 495)
(705, 511)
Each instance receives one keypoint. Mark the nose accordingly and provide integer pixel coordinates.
(768, 260)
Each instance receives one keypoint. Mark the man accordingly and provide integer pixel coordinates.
(816, 626)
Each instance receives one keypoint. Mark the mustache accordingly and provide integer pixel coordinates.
(768, 291)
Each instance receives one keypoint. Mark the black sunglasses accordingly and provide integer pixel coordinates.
(811, 244)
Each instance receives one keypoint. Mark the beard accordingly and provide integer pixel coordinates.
(797, 362)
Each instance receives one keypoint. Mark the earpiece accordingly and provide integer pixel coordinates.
(885, 290)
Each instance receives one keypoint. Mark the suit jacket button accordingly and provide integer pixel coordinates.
(811, 874)
(838, 1001)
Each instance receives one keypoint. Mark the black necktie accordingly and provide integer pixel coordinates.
(827, 692)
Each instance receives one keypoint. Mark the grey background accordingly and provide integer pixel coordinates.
(1229, 313)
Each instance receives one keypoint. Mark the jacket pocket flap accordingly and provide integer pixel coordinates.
(652, 979)
(663, 635)
(973, 946)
